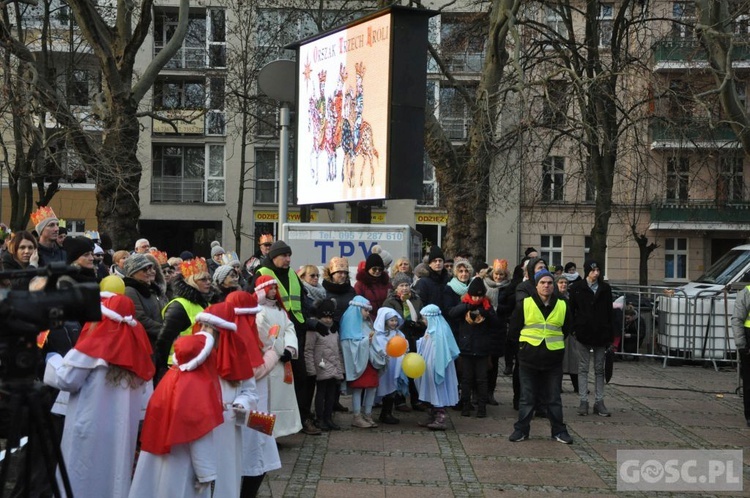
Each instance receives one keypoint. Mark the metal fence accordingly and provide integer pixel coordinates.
(666, 323)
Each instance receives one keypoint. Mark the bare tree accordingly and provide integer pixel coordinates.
(114, 33)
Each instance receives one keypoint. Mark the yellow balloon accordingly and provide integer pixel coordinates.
(413, 365)
(113, 284)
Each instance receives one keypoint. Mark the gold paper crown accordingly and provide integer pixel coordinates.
(41, 214)
(161, 257)
(62, 223)
(195, 266)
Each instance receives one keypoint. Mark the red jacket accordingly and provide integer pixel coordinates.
(374, 289)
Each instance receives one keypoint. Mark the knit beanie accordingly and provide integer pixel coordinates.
(400, 278)
(186, 255)
(325, 308)
(221, 273)
(374, 261)
(136, 263)
(435, 253)
(385, 255)
(540, 274)
(588, 266)
(477, 288)
(75, 247)
(216, 249)
(279, 248)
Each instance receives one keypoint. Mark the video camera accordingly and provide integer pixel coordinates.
(24, 314)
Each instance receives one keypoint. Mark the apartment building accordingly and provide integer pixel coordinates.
(680, 172)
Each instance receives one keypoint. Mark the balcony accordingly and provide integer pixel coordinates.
(700, 215)
(176, 190)
(186, 121)
(684, 53)
(690, 133)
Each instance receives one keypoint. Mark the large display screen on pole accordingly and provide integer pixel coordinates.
(361, 109)
(343, 114)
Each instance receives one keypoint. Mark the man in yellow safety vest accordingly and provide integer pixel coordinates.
(541, 322)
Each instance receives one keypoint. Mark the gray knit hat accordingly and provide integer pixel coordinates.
(221, 273)
(400, 278)
(217, 250)
(136, 263)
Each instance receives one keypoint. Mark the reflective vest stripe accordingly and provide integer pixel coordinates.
(292, 301)
(747, 319)
(538, 329)
(192, 311)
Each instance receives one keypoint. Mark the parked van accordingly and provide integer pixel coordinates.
(695, 319)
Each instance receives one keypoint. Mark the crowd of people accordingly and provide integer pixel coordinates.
(189, 348)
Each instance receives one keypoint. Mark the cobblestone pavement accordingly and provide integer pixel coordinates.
(677, 407)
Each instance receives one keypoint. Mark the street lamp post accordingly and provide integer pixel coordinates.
(277, 80)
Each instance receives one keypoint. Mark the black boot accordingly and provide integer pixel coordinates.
(386, 413)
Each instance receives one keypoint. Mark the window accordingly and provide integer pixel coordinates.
(675, 259)
(683, 25)
(217, 41)
(677, 178)
(589, 185)
(277, 28)
(185, 94)
(606, 11)
(730, 184)
(78, 88)
(187, 174)
(587, 243)
(215, 117)
(553, 176)
(555, 23)
(192, 54)
(462, 39)
(429, 185)
(455, 114)
(267, 179)
(266, 121)
(551, 249)
(76, 228)
(555, 103)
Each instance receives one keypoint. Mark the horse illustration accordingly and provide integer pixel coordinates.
(335, 119)
(363, 137)
(317, 124)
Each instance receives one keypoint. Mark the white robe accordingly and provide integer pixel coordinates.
(228, 437)
(282, 400)
(259, 451)
(101, 424)
(174, 474)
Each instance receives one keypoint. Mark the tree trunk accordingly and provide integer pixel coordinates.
(118, 179)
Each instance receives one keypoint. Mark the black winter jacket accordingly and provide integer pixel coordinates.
(475, 339)
(430, 288)
(342, 294)
(592, 314)
(148, 304)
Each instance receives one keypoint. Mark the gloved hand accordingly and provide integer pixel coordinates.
(287, 356)
(321, 329)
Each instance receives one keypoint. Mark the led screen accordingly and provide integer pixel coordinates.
(343, 114)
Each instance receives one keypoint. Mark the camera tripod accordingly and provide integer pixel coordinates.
(27, 410)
